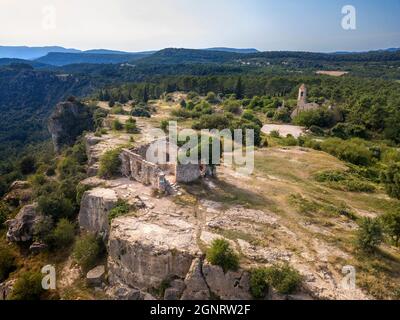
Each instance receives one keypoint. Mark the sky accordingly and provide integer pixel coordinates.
(139, 25)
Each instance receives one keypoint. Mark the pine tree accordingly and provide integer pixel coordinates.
(239, 91)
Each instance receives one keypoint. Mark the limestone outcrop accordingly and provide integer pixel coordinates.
(95, 207)
(20, 193)
(21, 228)
(146, 255)
(232, 285)
(69, 120)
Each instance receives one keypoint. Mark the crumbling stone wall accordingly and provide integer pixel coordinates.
(135, 167)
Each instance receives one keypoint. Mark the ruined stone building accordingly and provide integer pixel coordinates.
(161, 176)
(302, 104)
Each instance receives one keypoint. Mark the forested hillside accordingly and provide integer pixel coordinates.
(27, 98)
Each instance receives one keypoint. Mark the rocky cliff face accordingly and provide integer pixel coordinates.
(68, 121)
(146, 254)
(21, 228)
(95, 207)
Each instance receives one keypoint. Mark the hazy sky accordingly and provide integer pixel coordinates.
(135, 25)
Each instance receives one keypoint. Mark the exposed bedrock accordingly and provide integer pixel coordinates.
(143, 254)
(95, 207)
(147, 255)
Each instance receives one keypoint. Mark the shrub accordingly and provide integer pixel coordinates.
(3, 187)
(270, 114)
(282, 115)
(56, 206)
(192, 95)
(369, 234)
(141, 112)
(86, 251)
(120, 209)
(248, 115)
(221, 254)
(344, 181)
(214, 121)
(275, 134)
(289, 141)
(353, 151)
(183, 104)
(7, 263)
(28, 287)
(164, 125)
(233, 106)
(211, 97)
(117, 110)
(63, 235)
(27, 165)
(391, 225)
(283, 278)
(181, 113)
(110, 164)
(4, 212)
(391, 178)
(317, 130)
(320, 117)
(258, 283)
(37, 179)
(130, 126)
(348, 130)
(43, 228)
(117, 125)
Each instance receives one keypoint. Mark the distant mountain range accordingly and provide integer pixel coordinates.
(51, 57)
(62, 59)
(30, 53)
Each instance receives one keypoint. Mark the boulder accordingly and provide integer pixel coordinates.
(5, 289)
(232, 285)
(96, 276)
(124, 293)
(95, 207)
(20, 193)
(172, 294)
(38, 247)
(21, 228)
(142, 254)
(196, 286)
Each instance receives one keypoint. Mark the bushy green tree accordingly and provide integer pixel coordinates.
(283, 278)
(110, 164)
(320, 117)
(86, 251)
(258, 283)
(211, 97)
(117, 125)
(56, 206)
(233, 106)
(28, 287)
(369, 234)
(7, 263)
(63, 235)
(4, 212)
(221, 254)
(130, 126)
(391, 179)
(27, 165)
(391, 225)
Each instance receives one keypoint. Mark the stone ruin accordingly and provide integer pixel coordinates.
(165, 176)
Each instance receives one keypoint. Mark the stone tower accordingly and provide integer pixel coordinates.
(302, 99)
